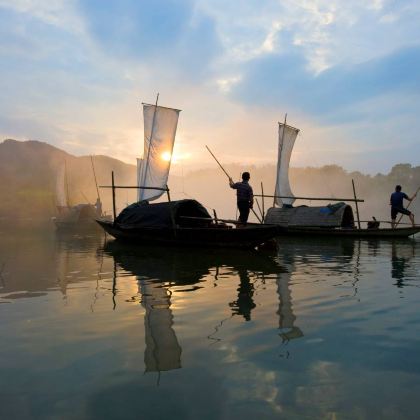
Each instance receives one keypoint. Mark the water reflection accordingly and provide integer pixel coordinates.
(330, 306)
(244, 304)
(33, 264)
(162, 272)
(402, 254)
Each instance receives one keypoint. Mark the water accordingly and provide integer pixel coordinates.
(321, 329)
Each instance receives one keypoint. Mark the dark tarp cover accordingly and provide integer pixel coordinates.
(161, 215)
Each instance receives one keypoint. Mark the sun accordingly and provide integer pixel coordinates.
(166, 156)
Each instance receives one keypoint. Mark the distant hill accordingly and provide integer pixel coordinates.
(28, 173)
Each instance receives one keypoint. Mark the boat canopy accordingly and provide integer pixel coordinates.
(163, 215)
(332, 215)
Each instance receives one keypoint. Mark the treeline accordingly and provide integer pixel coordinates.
(29, 172)
(210, 186)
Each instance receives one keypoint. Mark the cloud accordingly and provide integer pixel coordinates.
(140, 29)
(284, 80)
(76, 70)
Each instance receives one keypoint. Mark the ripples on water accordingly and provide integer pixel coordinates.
(323, 329)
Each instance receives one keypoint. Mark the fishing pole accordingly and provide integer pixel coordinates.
(230, 178)
(221, 167)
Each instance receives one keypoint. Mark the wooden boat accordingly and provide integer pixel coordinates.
(79, 217)
(182, 223)
(328, 220)
(179, 223)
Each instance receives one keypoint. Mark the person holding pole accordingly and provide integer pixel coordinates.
(396, 203)
(244, 196)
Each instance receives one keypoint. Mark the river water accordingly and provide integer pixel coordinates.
(317, 329)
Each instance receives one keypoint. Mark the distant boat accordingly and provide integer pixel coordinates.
(331, 220)
(179, 223)
(73, 217)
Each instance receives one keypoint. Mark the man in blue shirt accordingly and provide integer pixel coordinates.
(244, 196)
(396, 203)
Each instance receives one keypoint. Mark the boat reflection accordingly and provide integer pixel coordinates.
(158, 271)
(31, 265)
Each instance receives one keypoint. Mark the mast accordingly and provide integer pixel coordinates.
(94, 176)
(66, 183)
(151, 137)
(279, 157)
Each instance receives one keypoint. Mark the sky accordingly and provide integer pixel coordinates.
(74, 73)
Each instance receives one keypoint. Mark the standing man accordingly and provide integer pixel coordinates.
(98, 207)
(244, 195)
(396, 203)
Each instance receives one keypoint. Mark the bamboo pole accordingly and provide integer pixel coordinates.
(151, 137)
(113, 196)
(167, 193)
(259, 208)
(215, 216)
(312, 198)
(262, 200)
(279, 158)
(233, 222)
(66, 181)
(215, 158)
(357, 207)
(129, 186)
(94, 176)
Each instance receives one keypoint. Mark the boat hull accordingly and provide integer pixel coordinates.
(353, 233)
(247, 237)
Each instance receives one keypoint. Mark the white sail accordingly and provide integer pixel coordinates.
(61, 187)
(160, 125)
(287, 137)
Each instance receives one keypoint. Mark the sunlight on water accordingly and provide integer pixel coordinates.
(316, 329)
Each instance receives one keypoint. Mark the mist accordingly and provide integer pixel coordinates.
(29, 172)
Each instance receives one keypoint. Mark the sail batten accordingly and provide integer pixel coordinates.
(287, 137)
(160, 124)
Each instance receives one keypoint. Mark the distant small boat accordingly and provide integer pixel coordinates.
(74, 217)
(182, 223)
(81, 217)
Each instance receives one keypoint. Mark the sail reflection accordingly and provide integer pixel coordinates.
(163, 351)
